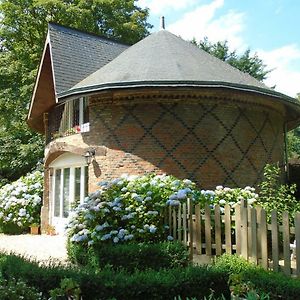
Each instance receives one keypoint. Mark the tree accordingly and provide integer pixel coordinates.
(245, 62)
(293, 140)
(23, 26)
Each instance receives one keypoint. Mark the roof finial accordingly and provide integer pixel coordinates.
(162, 22)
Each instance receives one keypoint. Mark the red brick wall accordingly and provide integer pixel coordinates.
(211, 142)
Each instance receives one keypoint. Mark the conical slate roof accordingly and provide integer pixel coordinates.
(163, 59)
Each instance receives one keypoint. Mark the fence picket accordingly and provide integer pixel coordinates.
(174, 226)
(238, 229)
(228, 243)
(191, 228)
(297, 239)
(184, 220)
(258, 214)
(244, 230)
(263, 239)
(286, 243)
(170, 219)
(218, 241)
(179, 217)
(198, 229)
(253, 235)
(275, 245)
(207, 230)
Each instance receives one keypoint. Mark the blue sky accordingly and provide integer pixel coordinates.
(268, 27)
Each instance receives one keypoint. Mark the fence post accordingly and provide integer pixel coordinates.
(286, 243)
(275, 246)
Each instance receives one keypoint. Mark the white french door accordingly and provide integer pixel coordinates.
(69, 188)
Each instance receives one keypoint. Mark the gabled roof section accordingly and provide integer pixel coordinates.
(69, 56)
(77, 54)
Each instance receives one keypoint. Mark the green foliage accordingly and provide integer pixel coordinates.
(293, 143)
(131, 257)
(225, 195)
(20, 203)
(232, 264)
(205, 282)
(245, 62)
(275, 195)
(262, 284)
(68, 289)
(23, 27)
(128, 209)
(17, 289)
(107, 284)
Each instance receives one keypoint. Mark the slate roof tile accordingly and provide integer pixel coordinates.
(76, 54)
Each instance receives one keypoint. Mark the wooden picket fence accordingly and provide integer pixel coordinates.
(241, 230)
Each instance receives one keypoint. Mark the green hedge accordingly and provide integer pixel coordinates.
(277, 285)
(164, 284)
(188, 282)
(131, 256)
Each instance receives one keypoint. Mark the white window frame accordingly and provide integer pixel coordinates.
(68, 116)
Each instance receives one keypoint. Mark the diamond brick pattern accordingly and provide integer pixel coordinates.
(210, 143)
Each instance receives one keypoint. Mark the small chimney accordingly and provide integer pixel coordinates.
(162, 22)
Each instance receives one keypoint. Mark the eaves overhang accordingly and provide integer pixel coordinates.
(292, 105)
(43, 97)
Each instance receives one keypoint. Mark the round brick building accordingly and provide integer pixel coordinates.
(165, 106)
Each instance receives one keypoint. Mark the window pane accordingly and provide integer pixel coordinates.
(86, 181)
(85, 110)
(76, 112)
(77, 185)
(66, 192)
(57, 193)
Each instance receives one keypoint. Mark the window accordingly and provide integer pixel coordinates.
(69, 118)
(70, 186)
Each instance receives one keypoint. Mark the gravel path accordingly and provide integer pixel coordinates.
(42, 248)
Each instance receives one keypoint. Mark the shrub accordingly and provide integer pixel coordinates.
(244, 276)
(108, 284)
(20, 203)
(128, 209)
(131, 257)
(18, 289)
(275, 195)
(225, 195)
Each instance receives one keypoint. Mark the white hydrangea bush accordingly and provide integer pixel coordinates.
(231, 196)
(20, 201)
(134, 208)
(127, 209)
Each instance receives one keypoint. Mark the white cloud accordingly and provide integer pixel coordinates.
(201, 22)
(284, 76)
(160, 6)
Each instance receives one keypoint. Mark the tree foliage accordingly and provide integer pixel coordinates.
(293, 140)
(23, 27)
(246, 62)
